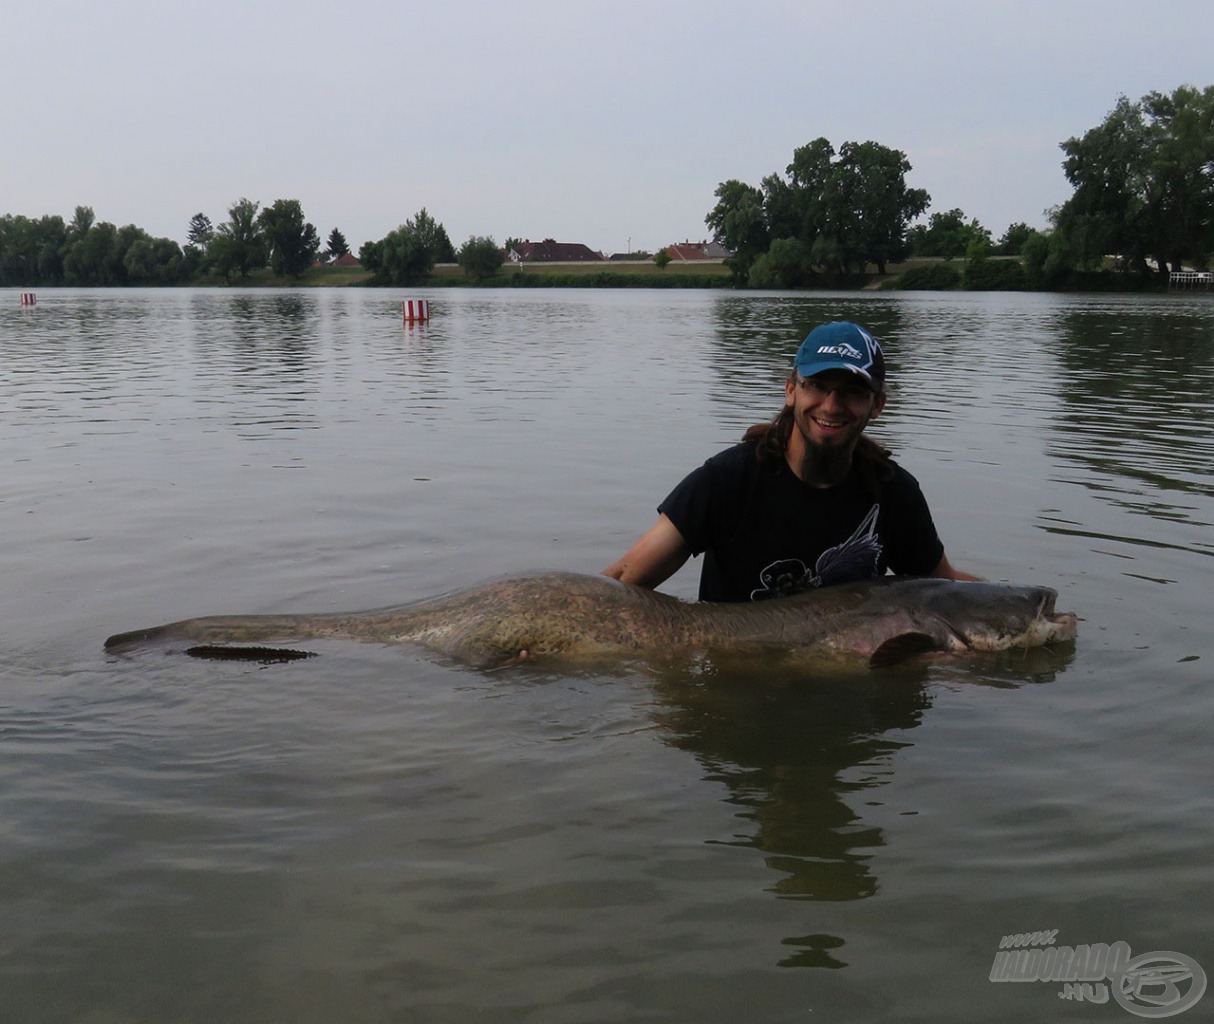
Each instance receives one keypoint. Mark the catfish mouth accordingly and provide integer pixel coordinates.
(1044, 625)
(1052, 626)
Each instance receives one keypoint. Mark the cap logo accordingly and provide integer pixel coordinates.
(843, 349)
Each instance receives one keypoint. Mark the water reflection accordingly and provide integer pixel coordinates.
(794, 754)
(801, 754)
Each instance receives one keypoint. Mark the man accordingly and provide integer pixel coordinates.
(803, 501)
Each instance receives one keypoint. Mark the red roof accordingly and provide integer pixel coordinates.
(549, 251)
(687, 251)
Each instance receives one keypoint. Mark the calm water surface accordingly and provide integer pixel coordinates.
(377, 835)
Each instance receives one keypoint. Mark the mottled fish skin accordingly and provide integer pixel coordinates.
(579, 614)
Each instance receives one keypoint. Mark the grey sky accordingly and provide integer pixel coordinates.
(586, 122)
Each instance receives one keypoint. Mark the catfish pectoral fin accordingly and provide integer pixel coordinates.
(904, 645)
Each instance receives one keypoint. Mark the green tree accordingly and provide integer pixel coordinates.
(336, 246)
(796, 208)
(1048, 258)
(1181, 130)
(154, 261)
(1013, 239)
(1107, 167)
(479, 257)
(785, 265)
(239, 246)
(292, 243)
(51, 235)
(845, 209)
(15, 244)
(82, 221)
(868, 204)
(1144, 183)
(371, 256)
(193, 261)
(408, 254)
(201, 231)
(95, 256)
(738, 222)
(224, 256)
(432, 236)
(661, 259)
(403, 258)
(948, 235)
(31, 251)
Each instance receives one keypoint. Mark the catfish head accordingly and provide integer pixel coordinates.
(947, 615)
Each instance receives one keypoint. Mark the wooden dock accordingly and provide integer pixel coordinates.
(1190, 279)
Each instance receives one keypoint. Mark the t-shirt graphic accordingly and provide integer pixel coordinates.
(855, 559)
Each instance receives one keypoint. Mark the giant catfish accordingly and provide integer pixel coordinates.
(570, 614)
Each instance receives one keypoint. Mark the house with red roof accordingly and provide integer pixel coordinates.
(691, 252)
(549, 251)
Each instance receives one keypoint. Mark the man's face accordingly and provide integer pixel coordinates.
(832, 409)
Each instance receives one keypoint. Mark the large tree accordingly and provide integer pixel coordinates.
(843, 210)
(868, 204)
(31, 251)
(337, 246)
(947, 234)
(94, 255)
(1144, 183)
(201, 231)
(432, 236)
(739, 223)
(239, 245)
(408, 254)
(291, 241)
(479, 258)
(154, 261)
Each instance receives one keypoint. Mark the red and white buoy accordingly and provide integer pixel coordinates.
(415, 311)
(29, 299)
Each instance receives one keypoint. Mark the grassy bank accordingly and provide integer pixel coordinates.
(928, 273)
(534, 275)
(594, 275)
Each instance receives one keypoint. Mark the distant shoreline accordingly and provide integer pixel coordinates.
(697, 274)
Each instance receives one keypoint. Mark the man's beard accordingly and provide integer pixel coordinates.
(828, 464)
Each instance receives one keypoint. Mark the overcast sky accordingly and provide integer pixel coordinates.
(607, 123)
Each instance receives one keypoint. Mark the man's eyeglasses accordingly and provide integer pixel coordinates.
(851, 394)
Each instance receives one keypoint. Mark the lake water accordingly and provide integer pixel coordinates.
(379, 835)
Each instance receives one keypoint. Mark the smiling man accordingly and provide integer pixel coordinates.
(804, 501)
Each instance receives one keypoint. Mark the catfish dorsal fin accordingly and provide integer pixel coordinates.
(904, 645)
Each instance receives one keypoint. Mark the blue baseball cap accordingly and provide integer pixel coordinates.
(842, 346)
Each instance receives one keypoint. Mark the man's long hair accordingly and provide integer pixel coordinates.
(870, 459)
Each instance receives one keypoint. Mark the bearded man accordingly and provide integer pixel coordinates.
(804, 501)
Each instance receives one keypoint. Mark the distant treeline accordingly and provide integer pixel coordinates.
(1143, 184)
(277, 238)
(85, 252)
(1143, 193)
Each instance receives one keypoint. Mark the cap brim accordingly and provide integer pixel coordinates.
(813, 369)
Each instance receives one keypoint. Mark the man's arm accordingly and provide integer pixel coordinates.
(654, 558)
(945, 571)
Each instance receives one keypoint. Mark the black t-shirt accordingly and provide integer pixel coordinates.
(764, 533)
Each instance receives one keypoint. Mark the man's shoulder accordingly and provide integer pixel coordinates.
(902, 478)
(738, 458)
